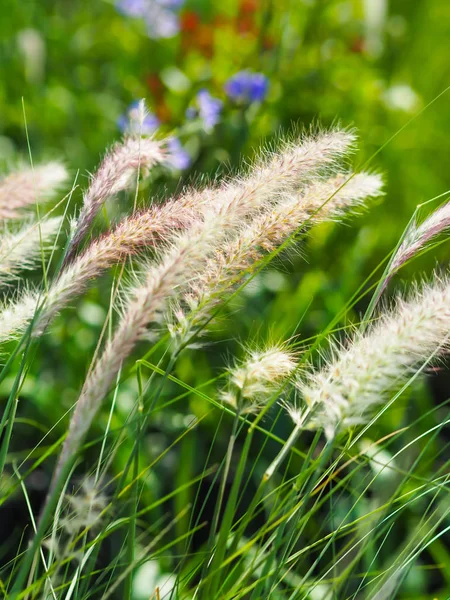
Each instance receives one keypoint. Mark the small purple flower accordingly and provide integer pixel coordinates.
(160, 16)
(209, 109)
(130, 122)
(173, 4)
(177, 157)
(161, 22)
(247, 87)
(133, 8)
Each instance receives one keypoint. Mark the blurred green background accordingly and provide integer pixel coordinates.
(74, 67)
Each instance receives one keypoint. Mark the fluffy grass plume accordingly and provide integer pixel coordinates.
(356, 381)
(185, 258)
(116, 173)
(251, 383)
(26, 187)
(416, 239)
(23, 249)
(272, 178)
(321, 200)
(276, 175)
(130, 236)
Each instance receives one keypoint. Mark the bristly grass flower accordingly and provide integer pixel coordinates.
(117, 172)
(252, 383)
(26, 187)
(23, 249)
(132, 235)
(186, 257)
(417, 237)
(356, 380)
(241, 255)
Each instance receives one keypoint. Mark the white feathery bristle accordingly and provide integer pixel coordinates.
(117, 172)
(348, 389)
(253, 382)
(29, 186)
(419, 236)
(23, 249)
(50, 177)
(280, 174)
(17, 315)
(319, 201)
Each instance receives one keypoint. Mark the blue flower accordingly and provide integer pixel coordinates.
(161, 22)
(130, 122)
(177, 157)
(247, 87)
(173, 4)
(159, 15)
(133, 8)
(209, 109)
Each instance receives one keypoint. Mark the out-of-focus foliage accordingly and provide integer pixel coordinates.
(233, 76)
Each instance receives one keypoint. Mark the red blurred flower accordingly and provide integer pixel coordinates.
(189, 21)
(249, 6)
(155, 85)
(196, 34)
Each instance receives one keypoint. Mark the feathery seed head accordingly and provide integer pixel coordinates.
(28, 186)
(253, 382)
(242, 254)
(419, 236)
(348, 390)
(23, 249)
(223, 213)
(84, 508)
(132, 234)
(17, 313)
(116, 173)
(278, 174)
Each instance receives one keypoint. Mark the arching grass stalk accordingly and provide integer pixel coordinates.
(412, 240)
(288, 511)
(46, 518)
(130, 489)
(220, 498)
(143, 417)
(258, 496)
(250, 386)
(134, 496)
(382, 520)
(255, 502)
(299, 426)
(380, 526)
(288, 531)
(9, 414)
(211, 581)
